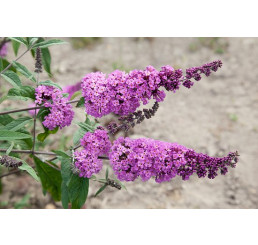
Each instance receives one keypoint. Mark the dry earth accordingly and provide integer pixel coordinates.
(219, 114)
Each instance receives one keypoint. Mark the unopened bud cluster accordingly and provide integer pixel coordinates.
(132, 119)
(9, 162)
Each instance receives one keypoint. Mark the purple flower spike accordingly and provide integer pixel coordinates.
(148, 158)
(122, 93)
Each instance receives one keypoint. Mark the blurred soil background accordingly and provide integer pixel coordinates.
(217, 115)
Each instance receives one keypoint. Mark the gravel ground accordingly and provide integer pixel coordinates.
(219, 114)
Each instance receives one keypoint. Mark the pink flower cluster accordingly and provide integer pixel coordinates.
(97, 143)
(122, 93)
(94, 144)
(86, 163)
(3, 50)
(61, 113)
(148, 158)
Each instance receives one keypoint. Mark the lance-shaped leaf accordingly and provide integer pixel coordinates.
(26, 92)
(47, 43)
(18, 123)
(76, 94)
(4, 63)
(5, 119)
(87, 126)
(66, 175)
(32, 40)
(12, 78)
(78, 191)
(102, 188)
(11, 135)
(19, 40)
(50, 178)
(26, 167)
(46, 60)
(16, 45)
(10, 148)
(24, 71)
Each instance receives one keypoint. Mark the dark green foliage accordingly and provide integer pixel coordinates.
(24, 71)
(87, 126)
(102, 188)
(24, 91)
(74, 188)
(4, 63)
(50, 179)
(12, 78)
(16, 45)
(81, 102)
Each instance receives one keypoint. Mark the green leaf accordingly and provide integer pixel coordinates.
(18, 123)
(81, 102)
(12, 78)
(42, 113)
(78, 191)
(46, 60)
(102, 188)
(77, 136)
(50, 178)
(47, 43)
(50, 83)
(19, 40)
(107, 170)
(27, 92)
(76, 94)
(66, 171)
(25, 144)
(11, 135)
(4, 63)
(62, 154)
(66, 175)
(42, 136)
(24, 71)
(12, 98)
(26, 167)
(1, 64)
(64, 195)
(87, 126)
(32, 40)
(22, 93)
(16, 46)
(10, 148)
(5, 119)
